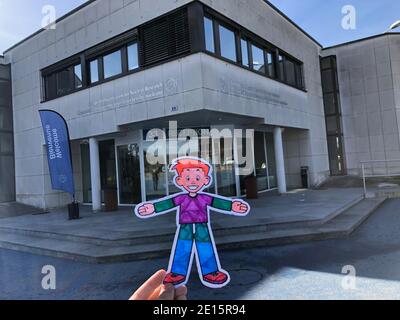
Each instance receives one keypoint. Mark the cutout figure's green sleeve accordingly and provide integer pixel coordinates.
(164, 205)
(222, 204)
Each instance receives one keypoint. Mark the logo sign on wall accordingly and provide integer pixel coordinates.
(58, 151)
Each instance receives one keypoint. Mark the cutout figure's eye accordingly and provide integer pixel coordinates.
(187, 178)
(198, 178)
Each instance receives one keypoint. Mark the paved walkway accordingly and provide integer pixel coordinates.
(13, 209)
(299, 206)
(302, 271)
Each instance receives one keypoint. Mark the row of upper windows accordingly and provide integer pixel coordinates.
(228, 44)
(103, 67)
(111, 65)
(220, 39)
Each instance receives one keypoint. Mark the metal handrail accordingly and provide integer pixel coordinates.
(365, 176)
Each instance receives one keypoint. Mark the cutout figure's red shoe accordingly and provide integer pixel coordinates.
(216, 278)
(174, 279)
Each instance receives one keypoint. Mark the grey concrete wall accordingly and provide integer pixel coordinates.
(7, 179)
(193, 83)
(305, 147)
(369, 73)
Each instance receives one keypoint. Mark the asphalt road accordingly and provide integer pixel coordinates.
(305, 271)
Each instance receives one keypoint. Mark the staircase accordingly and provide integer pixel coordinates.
(153, 243)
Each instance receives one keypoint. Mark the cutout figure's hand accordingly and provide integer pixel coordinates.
(154, 289)
(147, 210)
(240, 207)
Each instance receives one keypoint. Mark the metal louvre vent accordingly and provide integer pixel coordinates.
(165, 38)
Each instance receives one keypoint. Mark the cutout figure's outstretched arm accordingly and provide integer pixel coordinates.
(232, 207)
(151, 209)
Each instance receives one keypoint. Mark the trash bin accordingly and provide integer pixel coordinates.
(110, 199)
(73, 211)
(304, 177)
(251, 187)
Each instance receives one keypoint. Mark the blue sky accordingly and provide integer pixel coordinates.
(21, 18)
(321, 19)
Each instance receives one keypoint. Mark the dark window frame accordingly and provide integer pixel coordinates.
(53, 72)
(251, 38)
(235, 36)
(122, 63)
(337, 114)
(196, 12)
(252, 44)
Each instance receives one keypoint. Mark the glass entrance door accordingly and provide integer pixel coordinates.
(129, 174)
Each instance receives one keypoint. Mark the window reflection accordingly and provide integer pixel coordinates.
(281, 68)
(94, 71)
(228, 43)
(260, 161)
(225, 170)
(271, 64)
(154, 174)
(112, 64)
(78, 76)
(258, 59)
(245, 53)
(209, 34)
(133, 61)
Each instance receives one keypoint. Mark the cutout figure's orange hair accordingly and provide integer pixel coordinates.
(189, 163)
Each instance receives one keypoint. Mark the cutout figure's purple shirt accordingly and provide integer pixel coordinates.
(193, 209)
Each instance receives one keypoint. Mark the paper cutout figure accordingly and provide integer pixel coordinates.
(194, 236)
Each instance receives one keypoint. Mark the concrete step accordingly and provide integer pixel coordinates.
(342, 225)
(166, 234)
(389, 194)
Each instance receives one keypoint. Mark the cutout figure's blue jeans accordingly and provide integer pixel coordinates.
(200, 234)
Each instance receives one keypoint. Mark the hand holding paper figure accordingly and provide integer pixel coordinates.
(194, 235)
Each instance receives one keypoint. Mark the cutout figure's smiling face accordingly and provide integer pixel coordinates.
(193, 180)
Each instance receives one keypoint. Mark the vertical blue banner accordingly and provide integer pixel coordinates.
(58, 151)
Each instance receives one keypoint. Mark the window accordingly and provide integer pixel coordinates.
(330, 104)
(299, 76)
(78, 76)
(64, 82)
(130, 189)
(281, 68)
(133, 57)
(290, 72)
(245, 53)
(270, 64)
(222, 40)
(209, 34)
(94, 71)
(112, 64)
(258, 58)
(6, 143)
(333, 117)
(228, 43)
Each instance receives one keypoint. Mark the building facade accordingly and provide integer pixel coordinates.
(361, 82)
(117, 69)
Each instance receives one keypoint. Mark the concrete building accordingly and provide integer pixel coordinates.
(361, 82)
(115, 69)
